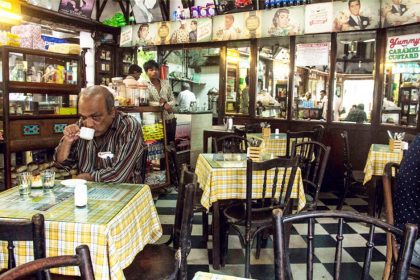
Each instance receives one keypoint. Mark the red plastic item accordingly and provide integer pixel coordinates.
(164, 69)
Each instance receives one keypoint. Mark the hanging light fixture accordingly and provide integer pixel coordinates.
(10, 12)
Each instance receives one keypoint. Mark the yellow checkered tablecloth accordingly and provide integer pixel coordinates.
(118, 222)
(275, 144)
(210, 276)
(229, 181)
(379, 155)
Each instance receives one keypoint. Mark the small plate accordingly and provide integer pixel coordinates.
(73, 182)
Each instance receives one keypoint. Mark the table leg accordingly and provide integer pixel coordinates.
(205, 142)
(216, 235)
(375, 194)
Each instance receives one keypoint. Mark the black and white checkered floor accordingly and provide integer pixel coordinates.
(263, 268)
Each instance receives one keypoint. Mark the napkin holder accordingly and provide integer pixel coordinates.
(395, 145)
(255, 153)
(266, 132)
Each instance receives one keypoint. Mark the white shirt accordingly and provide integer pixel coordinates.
(185, 98)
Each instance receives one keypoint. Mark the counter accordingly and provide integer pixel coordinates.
(189, 134)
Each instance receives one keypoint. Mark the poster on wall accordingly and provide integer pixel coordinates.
(46, 4)
(146, 10)
(237, 26)
(81, 8)
(403, 48)
(204, 29)
(318, 18)
(126, 36)
(234, 6)
(312, 54)
(400, 12)
(191, 31)
(161, 34)
(283, 22)
(143, 34)
(356, 15)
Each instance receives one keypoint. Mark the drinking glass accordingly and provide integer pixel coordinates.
(48, 178)
(25, 183)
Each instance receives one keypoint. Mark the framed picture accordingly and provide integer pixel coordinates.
(82, 8)
(146, 10)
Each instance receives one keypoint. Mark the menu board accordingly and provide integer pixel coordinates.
(313, 54)
(77, 7)
(406, 12)
(356, 15)
(283, 22)
(318, 18)
(403, 48)
(146, 10)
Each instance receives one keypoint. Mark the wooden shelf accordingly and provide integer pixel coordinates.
(50, 88)
(45, 54)
(42, 116)
(185, 80)
(140, 109)
(29, 144)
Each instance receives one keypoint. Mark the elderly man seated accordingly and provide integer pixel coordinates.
(114, 153)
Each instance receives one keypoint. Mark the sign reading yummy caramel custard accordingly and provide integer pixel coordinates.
(403, 48)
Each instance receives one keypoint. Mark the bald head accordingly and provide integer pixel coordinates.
(99, 93)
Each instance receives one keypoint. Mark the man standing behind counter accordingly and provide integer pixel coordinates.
(115, 132)
(160, 94)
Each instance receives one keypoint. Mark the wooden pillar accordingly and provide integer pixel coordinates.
(331, 90)
(379, 76)
(292, 59)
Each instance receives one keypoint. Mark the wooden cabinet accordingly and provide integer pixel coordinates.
(105, 63)
(38, 99)
(408, 100)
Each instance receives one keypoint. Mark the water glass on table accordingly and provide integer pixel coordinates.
(48, 179)
(25, 183)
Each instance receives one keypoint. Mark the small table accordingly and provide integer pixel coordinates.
(118, 222)
(379, 155)
(227, 180)
(275, 144)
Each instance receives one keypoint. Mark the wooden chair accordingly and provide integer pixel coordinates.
(248, 128)
(313, 158)
(230, 144)
(24, 230)
(281, 250)
(255, 214)
(81, 259)
(351, 177)
(299, 137)
(161, 261)
(388, 180)
(320, 130)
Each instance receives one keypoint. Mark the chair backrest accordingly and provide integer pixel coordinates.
(346, 152)
(185, 228)
(174, 168)
(143, 161)
(24, 230)
(281, 254)
(320, 130)
(230, 144)
(388, 179)
(266, 179)
(187, 177)
(81, 259)
(299, 137)
(313, 158)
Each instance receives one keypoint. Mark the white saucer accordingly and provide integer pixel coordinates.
(73, 182)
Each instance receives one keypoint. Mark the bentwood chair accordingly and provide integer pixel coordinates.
(156, 262)
(230, 144)
(320, 130)
(388, 180)
(81, 259)
(143, 162)
(299, 137)
(282, 254)
(24, 230)
(248, 128)
(351, 177)
(313, 158)
(255, 214)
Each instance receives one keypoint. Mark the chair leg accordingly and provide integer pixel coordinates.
(224, 241)
(247, 257)
(259, 241)
(344, 193)
(205, 218)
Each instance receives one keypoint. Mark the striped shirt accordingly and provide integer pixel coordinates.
(165, 93)
(124, 139)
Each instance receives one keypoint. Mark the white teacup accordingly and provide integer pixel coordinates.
(86, 133)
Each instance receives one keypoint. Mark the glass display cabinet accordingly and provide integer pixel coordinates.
(38, 99)
(153, 127)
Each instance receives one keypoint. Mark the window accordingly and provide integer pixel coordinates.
(400, 103)
(237, 78)
(311, 80)
(353, 94)
(272, 78)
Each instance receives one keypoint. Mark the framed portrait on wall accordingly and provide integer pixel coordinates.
(146, 10)
(82, 8)
(356, 15)
(394, 13)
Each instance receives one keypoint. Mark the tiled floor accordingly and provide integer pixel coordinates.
(353, 245)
